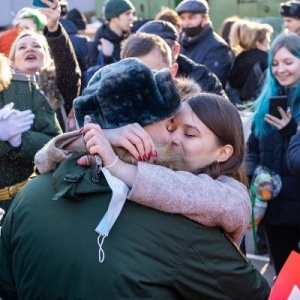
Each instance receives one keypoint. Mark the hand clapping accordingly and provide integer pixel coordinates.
(13, 123)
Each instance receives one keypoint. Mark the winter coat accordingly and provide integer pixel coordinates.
(17, 163)
(208, 81)
(247, 73)
(231, 211)
(96, 57)
(81, 43)
(68, 74)
(148, 254)
(222, 202)
(271, 151)
(293, 154)
(209, 49)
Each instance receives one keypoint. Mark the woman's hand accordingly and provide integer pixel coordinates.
(134, 139)
(7, 110)
(16, 124)
(279, 123)
(97, 143)
(52, 13)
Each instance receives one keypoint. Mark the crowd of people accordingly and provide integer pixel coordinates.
(126, 162)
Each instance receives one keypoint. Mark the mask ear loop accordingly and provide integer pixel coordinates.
(100, 241)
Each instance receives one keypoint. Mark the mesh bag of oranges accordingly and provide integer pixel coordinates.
(265, 185)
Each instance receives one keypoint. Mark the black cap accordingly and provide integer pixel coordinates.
(193, 6)
(290, 9)
(164, 29)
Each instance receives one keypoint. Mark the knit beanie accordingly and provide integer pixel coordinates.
(38, 18)
(113, 8)
(193, 6)
(127, 92)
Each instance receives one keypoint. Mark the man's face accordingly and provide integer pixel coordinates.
(190, 20)
(125, 20)
(154, 60)
(291, 24)
(159, 132)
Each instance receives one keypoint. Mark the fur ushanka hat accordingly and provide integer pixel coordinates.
(127, 92)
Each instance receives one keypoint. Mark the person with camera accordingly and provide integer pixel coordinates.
(268, 142)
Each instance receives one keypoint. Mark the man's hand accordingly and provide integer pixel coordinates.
(16, 124)
(106, 47)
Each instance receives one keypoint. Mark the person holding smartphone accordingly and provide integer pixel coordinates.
(269, 139)
(49, 59)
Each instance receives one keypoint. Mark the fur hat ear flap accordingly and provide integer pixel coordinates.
(128, 92)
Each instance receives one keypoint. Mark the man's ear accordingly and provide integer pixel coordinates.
(175, 51)
(224, 153)
(174, 69)
(205, 20)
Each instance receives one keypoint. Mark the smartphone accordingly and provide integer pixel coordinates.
(275, 102)
(38, 3)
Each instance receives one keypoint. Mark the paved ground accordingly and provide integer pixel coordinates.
(261, 262)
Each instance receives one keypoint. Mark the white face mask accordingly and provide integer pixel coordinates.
(119, 195)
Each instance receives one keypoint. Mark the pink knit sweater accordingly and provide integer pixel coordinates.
(223, 202)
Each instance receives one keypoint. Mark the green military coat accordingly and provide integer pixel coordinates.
(17, 163)
(49, 248)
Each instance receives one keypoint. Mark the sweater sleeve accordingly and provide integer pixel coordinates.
(68, 74)
(223, 202)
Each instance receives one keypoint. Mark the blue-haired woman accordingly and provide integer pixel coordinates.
(268, 142)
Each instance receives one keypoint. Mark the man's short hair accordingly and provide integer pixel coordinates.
(140, 44)
(290, 9)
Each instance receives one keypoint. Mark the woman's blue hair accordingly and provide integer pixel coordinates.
(271, 87)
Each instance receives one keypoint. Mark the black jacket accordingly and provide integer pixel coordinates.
(209, 49)
(68, 74)
(293, 154)
(271, 152)
(105, 32)
(80, 43)
(207, 80)
(244, 77)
